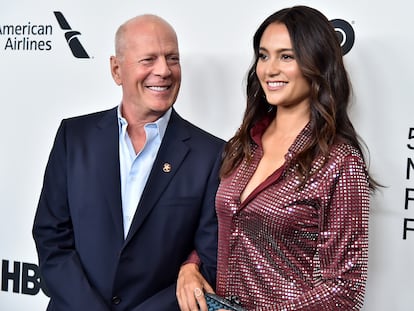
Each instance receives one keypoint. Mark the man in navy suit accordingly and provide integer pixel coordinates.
(129, 192)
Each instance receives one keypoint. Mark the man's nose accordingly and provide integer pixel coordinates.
(161, 67)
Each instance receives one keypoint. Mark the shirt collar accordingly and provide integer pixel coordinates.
(161, 123)
(258, 130)
(301, 140)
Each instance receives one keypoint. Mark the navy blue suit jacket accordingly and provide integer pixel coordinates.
(85, 262)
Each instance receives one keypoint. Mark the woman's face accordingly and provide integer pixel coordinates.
(278, 71)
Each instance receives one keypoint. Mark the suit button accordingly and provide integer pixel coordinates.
(116, 300)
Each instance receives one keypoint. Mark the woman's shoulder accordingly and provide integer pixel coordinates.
(343, 151)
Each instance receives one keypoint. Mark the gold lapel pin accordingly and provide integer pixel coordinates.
(166, 168)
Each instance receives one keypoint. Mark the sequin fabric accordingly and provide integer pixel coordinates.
(286, 248)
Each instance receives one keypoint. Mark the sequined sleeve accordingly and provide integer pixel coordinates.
(340, 264)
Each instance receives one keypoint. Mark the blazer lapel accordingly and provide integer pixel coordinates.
(107, 146)
(169, 158)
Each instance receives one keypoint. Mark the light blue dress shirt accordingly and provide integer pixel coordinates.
(136, 167)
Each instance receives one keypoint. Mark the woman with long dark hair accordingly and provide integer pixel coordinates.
(293, 202)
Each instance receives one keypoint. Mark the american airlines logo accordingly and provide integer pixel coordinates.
(72, 37)
(32, 36)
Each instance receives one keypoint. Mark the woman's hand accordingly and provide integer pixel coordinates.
(191, 286)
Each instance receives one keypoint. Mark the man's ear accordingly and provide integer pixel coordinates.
(115, 70)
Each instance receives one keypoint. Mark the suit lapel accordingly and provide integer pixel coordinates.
(106, 144)
(169, 158)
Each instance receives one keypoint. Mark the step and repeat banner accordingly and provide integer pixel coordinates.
(54, 63)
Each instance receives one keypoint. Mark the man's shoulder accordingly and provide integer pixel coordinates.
(203, 134)
(197, 132)
(91, 116)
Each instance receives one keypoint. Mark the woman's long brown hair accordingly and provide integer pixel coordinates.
(319, 55)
